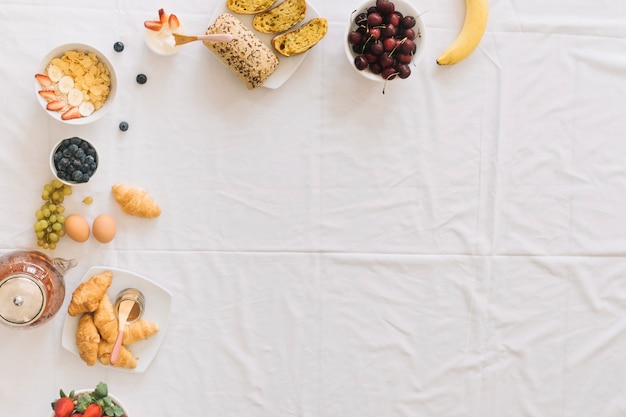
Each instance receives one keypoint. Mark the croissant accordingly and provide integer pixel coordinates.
(135, 201)
(139, 330)
(86, 297)
(87, 339)
(125, 360)
(105, 319)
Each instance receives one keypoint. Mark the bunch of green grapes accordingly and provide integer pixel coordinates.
(50, 218)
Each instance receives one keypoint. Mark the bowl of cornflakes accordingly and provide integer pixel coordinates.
(75, 83)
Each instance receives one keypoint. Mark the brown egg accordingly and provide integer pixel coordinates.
(77, 227)
(104, 228)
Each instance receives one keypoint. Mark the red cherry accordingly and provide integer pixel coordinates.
(360, 62)
(374, 19)
(375, 33)
(389, 44)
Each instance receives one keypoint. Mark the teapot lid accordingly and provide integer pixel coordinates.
(21, 299)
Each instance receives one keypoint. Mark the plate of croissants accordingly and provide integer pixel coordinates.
(91, 325)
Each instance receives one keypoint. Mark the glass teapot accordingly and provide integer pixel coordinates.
(32, 288)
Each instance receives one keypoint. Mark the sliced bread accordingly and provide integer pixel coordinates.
(302, 38)
(249, 6)
(280, 18)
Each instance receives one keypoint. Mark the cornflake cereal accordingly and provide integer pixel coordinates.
(90, 75)
(77, 84)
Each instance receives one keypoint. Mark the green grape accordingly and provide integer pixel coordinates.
(38, 227)
(49, 224)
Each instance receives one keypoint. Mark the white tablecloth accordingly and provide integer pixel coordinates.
(454, 247)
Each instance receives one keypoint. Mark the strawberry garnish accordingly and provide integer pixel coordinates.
(71, 113)
(162, 16)
(173, 22)
(49, 95)
(43, 80)
(63, 407)
(153, 25)
(55, 105)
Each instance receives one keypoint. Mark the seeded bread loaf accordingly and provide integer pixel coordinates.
(280, 18)
(246, 56)
(302, 38)
(249, 6)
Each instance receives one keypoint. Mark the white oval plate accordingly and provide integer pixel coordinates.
(157, 309)
(288, 64)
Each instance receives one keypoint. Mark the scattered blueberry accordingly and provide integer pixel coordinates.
(118, 46)
(142, 79)
(75, 160)
(123, 126)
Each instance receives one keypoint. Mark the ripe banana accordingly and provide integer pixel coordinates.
(476, 14)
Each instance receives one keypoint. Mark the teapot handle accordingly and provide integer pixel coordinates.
(63, 264)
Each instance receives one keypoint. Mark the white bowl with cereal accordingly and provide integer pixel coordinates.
(75, 83)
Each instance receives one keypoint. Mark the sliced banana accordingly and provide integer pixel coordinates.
(66, 83)
(54, 73)
(86, 108)
(74, 97)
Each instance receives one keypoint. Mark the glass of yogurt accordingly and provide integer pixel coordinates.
(160, 33)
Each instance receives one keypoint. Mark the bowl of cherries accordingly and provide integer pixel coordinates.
(384, 39)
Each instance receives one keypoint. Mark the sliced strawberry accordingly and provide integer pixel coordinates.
(162, 16)
(43, 80)
(153, 25)
(55, 105)
(173, 22)
(71, 113)
(49, 95)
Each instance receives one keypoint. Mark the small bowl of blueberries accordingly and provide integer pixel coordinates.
(74, 161)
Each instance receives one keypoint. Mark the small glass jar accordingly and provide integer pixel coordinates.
(135, 295)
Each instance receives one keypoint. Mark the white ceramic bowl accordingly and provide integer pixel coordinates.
(58, 52)
(53, 166)
(402, 6)
(113, 397)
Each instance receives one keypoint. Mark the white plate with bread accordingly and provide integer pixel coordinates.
(287, 65)
(156, 313)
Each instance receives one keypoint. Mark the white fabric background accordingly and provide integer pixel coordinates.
(455, 247)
